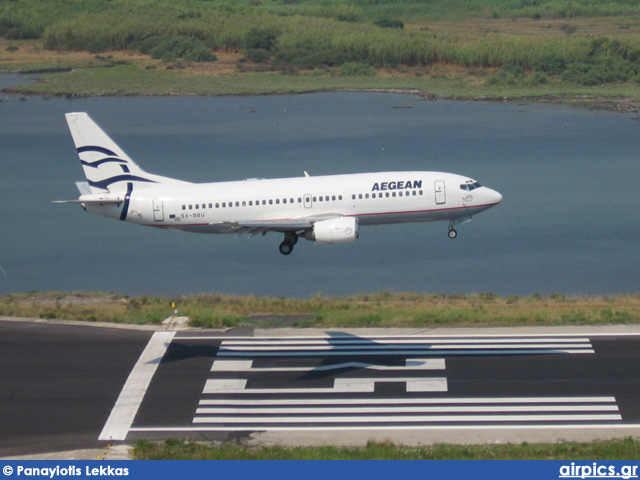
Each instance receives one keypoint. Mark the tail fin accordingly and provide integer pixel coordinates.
(107, 167)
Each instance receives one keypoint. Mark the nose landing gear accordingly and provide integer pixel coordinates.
(452, 232)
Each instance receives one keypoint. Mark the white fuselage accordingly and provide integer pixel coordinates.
(374, 198)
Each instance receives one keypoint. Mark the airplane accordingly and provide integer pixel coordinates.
(327, 209)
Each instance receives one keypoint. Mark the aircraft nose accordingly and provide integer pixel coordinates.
(494, 197)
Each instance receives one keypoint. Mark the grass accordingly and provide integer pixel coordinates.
(384, 309)
(443, 82)
(188, 450)
(446, 48)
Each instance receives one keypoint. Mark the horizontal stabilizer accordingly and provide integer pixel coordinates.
(96, 199)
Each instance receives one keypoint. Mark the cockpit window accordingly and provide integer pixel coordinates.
(470, 185)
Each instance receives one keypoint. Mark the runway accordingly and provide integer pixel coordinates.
(330, 387)
(68, 386)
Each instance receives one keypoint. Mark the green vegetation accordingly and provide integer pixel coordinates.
(384, 309)
(189, 450)
(530, 45)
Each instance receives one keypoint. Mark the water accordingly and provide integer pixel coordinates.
(568, 223)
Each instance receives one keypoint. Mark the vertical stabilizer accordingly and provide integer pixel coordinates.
(106, 166)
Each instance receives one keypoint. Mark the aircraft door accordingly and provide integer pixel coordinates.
(158, 210)
(308, 202)
(440, 192)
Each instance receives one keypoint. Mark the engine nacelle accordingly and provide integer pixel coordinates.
(335, 230)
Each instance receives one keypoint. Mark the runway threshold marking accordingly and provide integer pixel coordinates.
(126, 407)
(239, 397)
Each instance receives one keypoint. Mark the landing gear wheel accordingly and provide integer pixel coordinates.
(452, 233)
(286, 248)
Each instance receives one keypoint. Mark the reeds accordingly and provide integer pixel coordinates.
(322, 28)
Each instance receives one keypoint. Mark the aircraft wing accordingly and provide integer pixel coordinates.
(281, 225)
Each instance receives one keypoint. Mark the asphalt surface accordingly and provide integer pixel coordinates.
(58, 383)
(64, 387)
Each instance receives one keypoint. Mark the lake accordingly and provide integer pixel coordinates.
(569, 222)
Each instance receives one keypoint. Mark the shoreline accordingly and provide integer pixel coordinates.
(619, 104)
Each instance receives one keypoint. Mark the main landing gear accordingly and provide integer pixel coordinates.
(290, 239)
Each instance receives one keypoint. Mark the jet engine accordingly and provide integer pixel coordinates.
(335, 230)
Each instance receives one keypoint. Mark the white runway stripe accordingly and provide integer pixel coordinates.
(354, 385)
(223, 365)
(128, 403)
(405, 400)
(269, 420)
(402, 340)
(225, 352)
(414, 346)
(398, 409)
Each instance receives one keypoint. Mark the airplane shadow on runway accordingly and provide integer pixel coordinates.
(350, 362)
(178, 351)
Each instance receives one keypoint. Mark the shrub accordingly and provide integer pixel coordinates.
(508, 75)
(552, 64)
(568, 28)
(538, 78)
(260, 38)
(600, 70)
(329, 58)
(389, 23)
(355, 69)
(171, 48)
(257, 55)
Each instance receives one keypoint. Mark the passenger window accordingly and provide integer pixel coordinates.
(237, 204)
(339, 197)
(190, 207)
(217, 205)
(393, 194)
(366, 195)
(420, 192)
(184, 207)
(333, 198)
(353, 197)
(284, 200)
